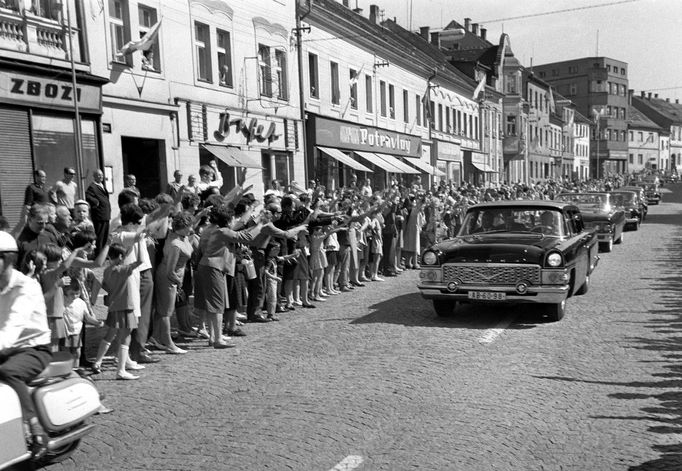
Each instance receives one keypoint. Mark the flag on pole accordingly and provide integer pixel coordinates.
(426, 104)
(142, 44)
(551, 101)
(479, 87)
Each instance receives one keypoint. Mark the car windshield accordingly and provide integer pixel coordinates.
(623, 199)
(587, 201)
(497, 220)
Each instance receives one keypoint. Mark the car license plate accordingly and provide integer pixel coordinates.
(487, 295)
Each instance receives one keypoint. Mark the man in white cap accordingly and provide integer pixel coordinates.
(24, 335)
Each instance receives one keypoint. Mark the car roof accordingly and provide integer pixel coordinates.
(621, 190)
(546, 204)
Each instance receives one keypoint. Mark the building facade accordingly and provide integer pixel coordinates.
(666, 115)
(40, 45)
(374, 112)
(581, 147)
(644, 143)
(599, 88)
(218, 83)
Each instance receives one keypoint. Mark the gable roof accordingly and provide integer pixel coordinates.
(638, 120)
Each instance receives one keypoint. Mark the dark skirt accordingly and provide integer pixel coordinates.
(210, 291)
(57, 327)
(122, 319)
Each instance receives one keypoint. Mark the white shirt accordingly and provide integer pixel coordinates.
(74, 314)
(23, 321)
(66, 193)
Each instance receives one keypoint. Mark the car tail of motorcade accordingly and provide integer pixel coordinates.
(64, 402)
(511, 252)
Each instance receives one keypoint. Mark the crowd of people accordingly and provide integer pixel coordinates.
(192, 264)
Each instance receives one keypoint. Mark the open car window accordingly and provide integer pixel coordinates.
(483, 221)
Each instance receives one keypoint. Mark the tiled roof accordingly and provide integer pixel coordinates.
(671, 110)
(637, 119)
(470, 41)
(580, 118)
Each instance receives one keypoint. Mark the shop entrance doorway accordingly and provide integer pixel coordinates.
(146, 159)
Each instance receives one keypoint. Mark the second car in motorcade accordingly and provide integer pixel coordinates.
(641, 199)
(510, 252)
(628, 201)
(599, 213)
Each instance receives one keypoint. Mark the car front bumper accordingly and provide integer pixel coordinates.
(535, 294)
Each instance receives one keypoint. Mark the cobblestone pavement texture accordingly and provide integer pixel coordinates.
(375, 374)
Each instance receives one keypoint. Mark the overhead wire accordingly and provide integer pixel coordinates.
(555, 12)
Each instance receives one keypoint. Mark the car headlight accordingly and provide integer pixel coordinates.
(554, 259)
(429, 258)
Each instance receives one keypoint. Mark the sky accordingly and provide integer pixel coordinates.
(647, 34)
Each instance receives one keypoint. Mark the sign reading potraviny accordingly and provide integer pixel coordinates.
(384, 140)
(351, 136)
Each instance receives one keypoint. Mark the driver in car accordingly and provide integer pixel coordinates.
(24, 336)
(548, 224)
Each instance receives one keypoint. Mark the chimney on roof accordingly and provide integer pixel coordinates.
(474, 28)
(649, 96)
(484, 32)
(677, 101)
(667, 100)
(373, 13)
(467, 23)
(643, 94)
(655, 95)
(424, 32)
(435, 38)
(346, 3)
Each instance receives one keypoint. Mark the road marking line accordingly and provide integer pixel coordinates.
(348, 463)
(491, 334)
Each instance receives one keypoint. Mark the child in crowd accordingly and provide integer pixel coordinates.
(302, 271)
(331, 245)
(121, 319)
(33, 264)
(76, 313)
(271, 279)
(51, 282)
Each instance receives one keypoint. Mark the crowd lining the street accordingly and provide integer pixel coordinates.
(211, 262)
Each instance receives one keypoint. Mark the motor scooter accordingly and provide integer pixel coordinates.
(63, 401)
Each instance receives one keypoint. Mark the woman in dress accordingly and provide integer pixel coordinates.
(169, 278)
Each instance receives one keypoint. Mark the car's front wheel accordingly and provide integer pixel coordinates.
(555, 312)
(444, 307)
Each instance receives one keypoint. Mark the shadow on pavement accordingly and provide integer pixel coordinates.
(413, 311)
(665, 387)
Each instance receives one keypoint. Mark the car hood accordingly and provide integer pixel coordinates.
(496, 248)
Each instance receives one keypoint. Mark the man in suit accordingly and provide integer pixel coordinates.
(100, 208)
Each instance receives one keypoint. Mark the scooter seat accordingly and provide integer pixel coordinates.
(60, 365)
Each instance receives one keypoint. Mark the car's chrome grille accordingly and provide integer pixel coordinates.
(488, 274)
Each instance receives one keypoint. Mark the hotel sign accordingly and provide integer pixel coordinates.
(351, 136)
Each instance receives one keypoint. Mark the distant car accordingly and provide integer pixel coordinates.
(641, 198)
(599, 213)
(510, 252)
(628, 201)
(652, 192)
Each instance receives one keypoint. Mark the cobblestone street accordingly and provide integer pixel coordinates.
(374, 378)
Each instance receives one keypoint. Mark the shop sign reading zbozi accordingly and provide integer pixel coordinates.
(250, 128)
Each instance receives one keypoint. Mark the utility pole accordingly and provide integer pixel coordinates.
(301, 88)
(75, 94)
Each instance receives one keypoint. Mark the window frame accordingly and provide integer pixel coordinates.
(353, 88)
(204, 45)
(313, 76)
(382, 99)
(114, 22)
(406, 106)
(226, 51)
(335, 87)
(369, 93)
(156, 61)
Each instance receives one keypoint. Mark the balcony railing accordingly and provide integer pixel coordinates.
(22, 31)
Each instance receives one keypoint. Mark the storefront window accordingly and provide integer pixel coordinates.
(278, 166)
(54, 146)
